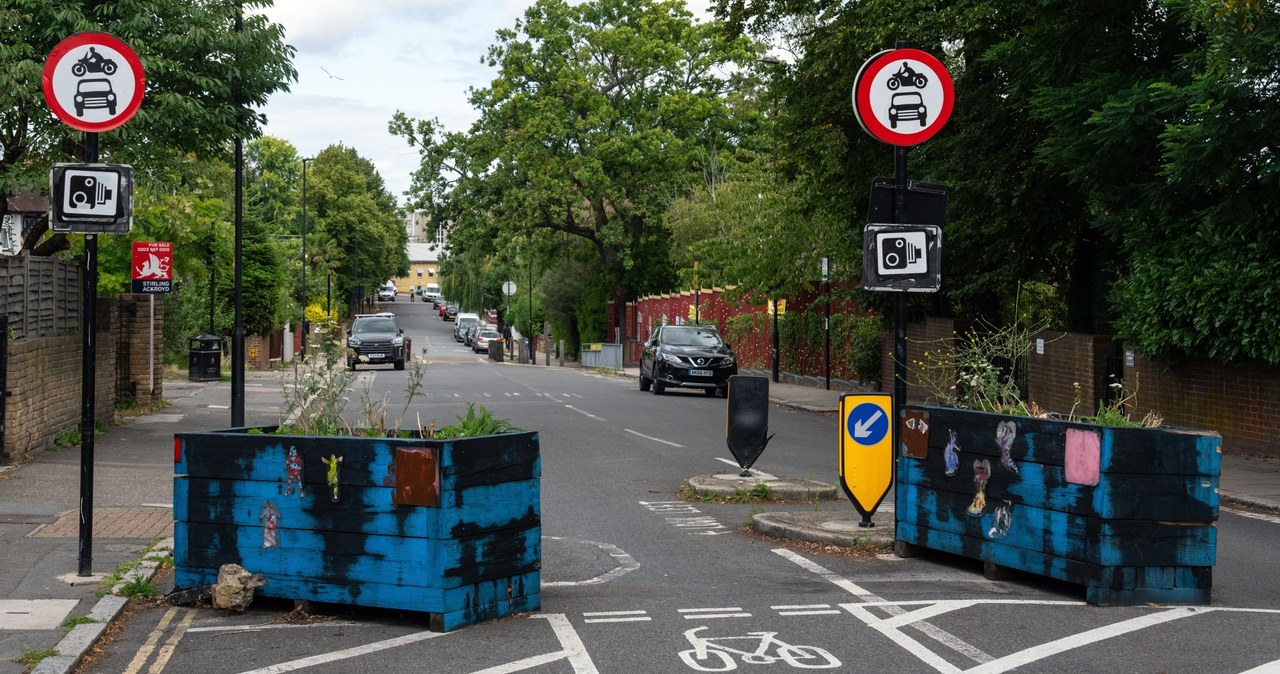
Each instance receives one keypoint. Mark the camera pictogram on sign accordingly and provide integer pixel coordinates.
(91, 193)
(902, 253)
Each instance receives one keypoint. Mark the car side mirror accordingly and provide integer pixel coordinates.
(400, 331)
(728, 346)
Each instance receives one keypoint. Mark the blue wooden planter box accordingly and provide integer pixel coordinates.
(447, 527)
(1126, 512)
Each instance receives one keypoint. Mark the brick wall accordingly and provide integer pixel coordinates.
(140, 348)
(1068, 359)
(1238, 402)
(44, 383)
(933, 334)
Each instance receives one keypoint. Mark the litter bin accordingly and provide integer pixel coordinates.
(205, 358)
(495, 350)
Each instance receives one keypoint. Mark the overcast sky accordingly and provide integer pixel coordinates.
(360, 61)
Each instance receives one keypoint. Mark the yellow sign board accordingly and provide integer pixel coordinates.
(866, 449)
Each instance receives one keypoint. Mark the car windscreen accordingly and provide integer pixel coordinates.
(691, 337)
(374, 325)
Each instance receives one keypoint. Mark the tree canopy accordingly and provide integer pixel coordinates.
(593, 125)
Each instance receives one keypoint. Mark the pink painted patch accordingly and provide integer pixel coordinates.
(1082, 459)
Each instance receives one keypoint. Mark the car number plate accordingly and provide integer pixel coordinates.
(699, 373)
(376, 355)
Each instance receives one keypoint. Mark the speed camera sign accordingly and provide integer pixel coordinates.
(902, 257)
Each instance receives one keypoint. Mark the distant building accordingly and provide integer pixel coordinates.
(424, 267)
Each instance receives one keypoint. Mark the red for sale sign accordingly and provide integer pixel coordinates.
(152, 266)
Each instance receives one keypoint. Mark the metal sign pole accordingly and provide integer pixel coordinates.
(900, 299)
(88, 376)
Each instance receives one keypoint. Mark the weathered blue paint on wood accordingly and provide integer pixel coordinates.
(1099, 541)
(505, 505)
(1143, 532)
(1046, 486)
(470, 552)
(364, 558)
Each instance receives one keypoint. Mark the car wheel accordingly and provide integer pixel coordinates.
(644, 382)
(658, 387)
(352, 365)
(399, 364)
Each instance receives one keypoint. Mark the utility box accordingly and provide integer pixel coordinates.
(205, 358)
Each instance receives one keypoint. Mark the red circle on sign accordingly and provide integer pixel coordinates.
(75, 86)
(912, 88)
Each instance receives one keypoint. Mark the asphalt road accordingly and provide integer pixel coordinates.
(637, 580)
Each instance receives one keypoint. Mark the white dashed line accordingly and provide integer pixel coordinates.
(650, 437)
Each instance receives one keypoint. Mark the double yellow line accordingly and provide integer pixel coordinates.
(165, 651)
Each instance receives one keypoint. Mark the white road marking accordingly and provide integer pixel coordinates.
(805, 609)
(616, 616)
(754, 473)
(1270, 668)
(626, 564)
(713, 613)
(1035, 653)
(650, 437)
(584, 413)
(1274, 519)
(932, 631)
(346, 653)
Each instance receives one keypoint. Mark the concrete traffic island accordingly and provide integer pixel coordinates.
(725, 485)
(829, 528)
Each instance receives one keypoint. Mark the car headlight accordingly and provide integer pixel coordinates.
(728, 360)
(671, 358)
(353, 342)
(397, 341)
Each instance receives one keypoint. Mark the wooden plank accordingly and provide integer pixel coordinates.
(1043, 440)
(1086, 539)
(355, 558)
(369, 510)
(1120, 586)
(468, 603)
(1184, 498)
(237, 455)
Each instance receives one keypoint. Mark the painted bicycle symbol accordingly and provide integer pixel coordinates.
(710, 654)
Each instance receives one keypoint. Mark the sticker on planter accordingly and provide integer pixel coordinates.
(915, 439)
(1004, 518)
(1006, 431)
(981, 473)
(952, 455)
(1083, 457)
(270, 519)
(331, 477)
(293, 472)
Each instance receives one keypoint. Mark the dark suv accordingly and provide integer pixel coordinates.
(690, 356)
(375, 339)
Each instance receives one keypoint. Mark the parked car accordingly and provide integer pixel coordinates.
(450, 312)
(387, 294)
(375, 339)
(460, 325)
(688, 356)
(483, 338)
(469, 333)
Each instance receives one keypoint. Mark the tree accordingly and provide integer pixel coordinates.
(203, 81)
(593, 125)
(355, 212)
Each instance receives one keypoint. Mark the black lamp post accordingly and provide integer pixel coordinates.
(305, 160)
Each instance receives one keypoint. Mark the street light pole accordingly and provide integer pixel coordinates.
(304, 256)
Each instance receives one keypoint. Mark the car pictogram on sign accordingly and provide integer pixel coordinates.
(94, 93)
(907, 106)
